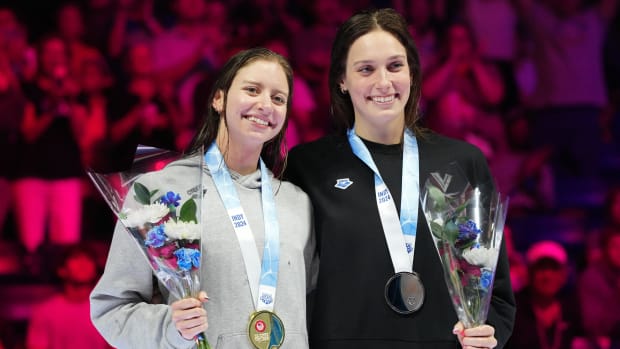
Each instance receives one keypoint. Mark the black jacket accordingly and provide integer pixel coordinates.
(349, 310)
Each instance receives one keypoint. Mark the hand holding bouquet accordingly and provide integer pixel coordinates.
(467, 225)
(162, 214)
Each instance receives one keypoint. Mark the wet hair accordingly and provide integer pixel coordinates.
(274, 150)
(360, 24)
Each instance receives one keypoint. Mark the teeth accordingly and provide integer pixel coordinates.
(383, 99)
(258, 121)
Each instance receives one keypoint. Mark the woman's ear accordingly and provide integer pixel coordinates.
(218, 101)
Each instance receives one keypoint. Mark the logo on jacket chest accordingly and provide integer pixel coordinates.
(343, 183)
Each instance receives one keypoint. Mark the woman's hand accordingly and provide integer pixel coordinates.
(189, 317)
(475, 337)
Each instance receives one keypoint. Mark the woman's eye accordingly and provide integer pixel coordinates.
(366, 69)
(279, 100)
(252, 90)
(396, 66)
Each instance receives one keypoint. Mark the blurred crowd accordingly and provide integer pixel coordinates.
(535, 84)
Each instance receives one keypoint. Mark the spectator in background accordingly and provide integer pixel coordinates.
(425, 24)
(99, 14)
(460, 68)
(8, 22)
(184, 53)
(70, 28)
(134, 21)
(95, 80)
(215, 27)
(258, 21)
(610, 220)
(15, 48)
(301, 127)
(140, 113)
(521, 170)
(453, 116)
(310, 51)
(62, 321)
(611, 57)
(463, 92)
(570, 92)
(48, 168)
(599, 287)
(516, 260)
(547, 316)
(220, 35)
(12, 104)
(186, 47)
(97, 84)
(494, 25)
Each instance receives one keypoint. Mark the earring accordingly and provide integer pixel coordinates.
(343, 90)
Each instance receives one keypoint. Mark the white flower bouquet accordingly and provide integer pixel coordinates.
(162, 218)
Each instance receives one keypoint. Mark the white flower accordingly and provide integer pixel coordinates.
(145, 214)
(438, 220)
(481, 256)
(182, 230)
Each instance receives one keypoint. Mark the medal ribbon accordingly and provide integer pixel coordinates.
(262, 280)
(400, 233)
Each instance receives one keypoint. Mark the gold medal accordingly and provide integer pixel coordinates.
(266, 330)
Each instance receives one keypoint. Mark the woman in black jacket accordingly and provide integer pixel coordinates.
(374, 83)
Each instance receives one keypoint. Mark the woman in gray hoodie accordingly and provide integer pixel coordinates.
(246, 211)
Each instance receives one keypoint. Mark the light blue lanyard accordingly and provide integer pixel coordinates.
(262, 281)
(400, 233)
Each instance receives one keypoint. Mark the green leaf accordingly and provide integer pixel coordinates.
(438, 197)
(468, 245)
(451, 231)
(151, 194)
(461, 208)
(143, 195)
(188, 211)
(437, 230)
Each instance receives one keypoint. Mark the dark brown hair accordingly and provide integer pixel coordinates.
(274, 150)
(358, 25)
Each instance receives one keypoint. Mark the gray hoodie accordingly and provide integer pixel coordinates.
(124, 302)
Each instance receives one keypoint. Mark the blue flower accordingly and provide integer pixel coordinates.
(467, 234)
(155, 237)
(171, 198)
(486, 279)
(187, 257)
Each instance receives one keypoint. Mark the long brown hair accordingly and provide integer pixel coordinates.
(358, 25)
(274, 150)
